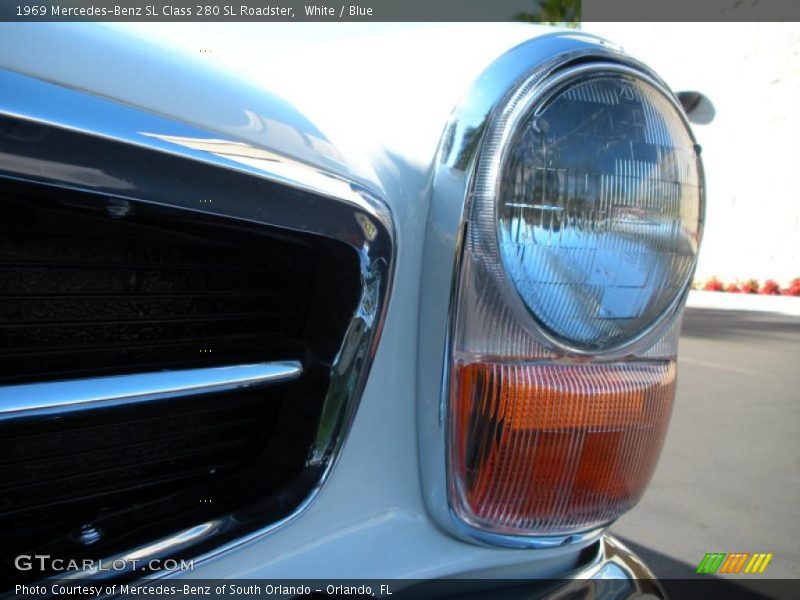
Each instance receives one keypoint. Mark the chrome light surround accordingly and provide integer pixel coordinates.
(530, 70)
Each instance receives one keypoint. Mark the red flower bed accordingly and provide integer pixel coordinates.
(771, 288)
(751, 286)
(713, 285)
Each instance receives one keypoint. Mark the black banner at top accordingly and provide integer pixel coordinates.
(546, 11)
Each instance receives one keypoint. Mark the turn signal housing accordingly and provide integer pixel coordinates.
(555, 448)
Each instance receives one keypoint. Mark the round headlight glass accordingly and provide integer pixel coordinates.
(598, 209)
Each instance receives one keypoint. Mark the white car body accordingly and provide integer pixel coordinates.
(375, 102)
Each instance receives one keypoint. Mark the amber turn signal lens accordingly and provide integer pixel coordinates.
(547, 448)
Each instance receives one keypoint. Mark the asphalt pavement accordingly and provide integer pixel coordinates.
(729, 475)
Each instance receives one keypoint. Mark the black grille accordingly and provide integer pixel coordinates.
(89, 467)
(84, 293)
(92, 287)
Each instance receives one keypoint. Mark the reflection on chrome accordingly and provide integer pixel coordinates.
(83, 394)
(264, 161)
(128, 561)
(59, 170)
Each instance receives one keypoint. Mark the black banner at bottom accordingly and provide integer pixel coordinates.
(251, 589)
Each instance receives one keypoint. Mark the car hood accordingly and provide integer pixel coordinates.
(360, 101)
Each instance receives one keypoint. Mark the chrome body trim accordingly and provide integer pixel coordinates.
(251, 185)
(157, 550)
(60, 397)
(532, 63)
(626, 574)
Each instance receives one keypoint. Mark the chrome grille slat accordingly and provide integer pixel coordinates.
(85, 394)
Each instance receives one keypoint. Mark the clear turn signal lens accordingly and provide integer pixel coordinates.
(542, 448)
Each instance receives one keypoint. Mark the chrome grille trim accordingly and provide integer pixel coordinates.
(310, 200)
(28, 400)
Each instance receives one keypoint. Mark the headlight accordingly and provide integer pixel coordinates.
(580, 243)
(598, 209)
